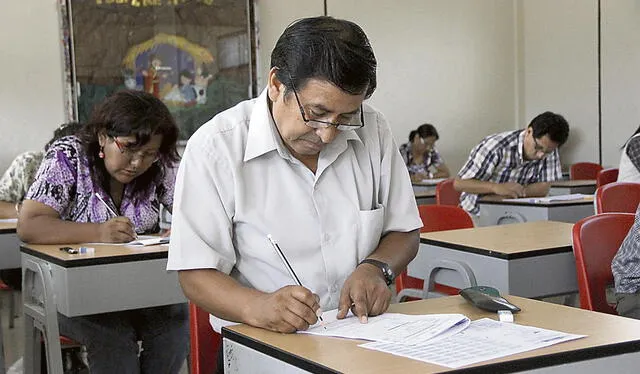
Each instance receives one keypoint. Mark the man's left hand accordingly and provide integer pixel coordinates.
(365, 292)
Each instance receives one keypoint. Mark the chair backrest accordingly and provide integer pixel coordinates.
(443, 217)
(596, 240)
(205, 342)
(446, 194)
(617, 197)
(584, 170)
(606, 176)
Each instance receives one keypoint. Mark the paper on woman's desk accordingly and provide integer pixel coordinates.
(432, 181)
(391, 327)
(9, 220)
(485, 339)
(548, 199)
(143, 240)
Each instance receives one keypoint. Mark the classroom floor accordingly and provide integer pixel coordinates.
(14, 338)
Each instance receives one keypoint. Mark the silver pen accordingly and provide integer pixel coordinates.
(111, 211)
(286, 263)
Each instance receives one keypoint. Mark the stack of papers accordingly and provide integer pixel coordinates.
(549, 199)
(450, 340)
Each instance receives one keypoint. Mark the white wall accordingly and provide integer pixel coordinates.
(31, 101)
(559, 71)
(446, 62)
(620, 76)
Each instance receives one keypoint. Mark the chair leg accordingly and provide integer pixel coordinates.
(12, 308)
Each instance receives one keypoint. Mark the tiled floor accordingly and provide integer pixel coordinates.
(14, 338)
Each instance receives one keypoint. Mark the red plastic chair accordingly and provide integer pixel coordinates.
(596, 240)
(434, 218)
(618, 197)
(606, 176)
(446, 194)
(205, 342)
(584, 170)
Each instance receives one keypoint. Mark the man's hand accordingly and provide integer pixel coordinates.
(365, 292)
(510, 189)
(286, 310)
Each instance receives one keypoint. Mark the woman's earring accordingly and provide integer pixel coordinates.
(101, 153)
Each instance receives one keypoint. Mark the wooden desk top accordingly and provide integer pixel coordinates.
(574, 183)
(607, 335)
(103, 254)
(499, 200)
(8, 227)
(518, 240)
(423, 194)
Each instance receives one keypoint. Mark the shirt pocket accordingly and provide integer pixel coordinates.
(369, 231)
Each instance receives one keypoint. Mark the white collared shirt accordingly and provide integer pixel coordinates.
(237, 182)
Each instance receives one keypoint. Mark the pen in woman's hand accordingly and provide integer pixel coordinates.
(113, 213)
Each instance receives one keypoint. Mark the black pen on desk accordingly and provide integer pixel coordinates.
(110, 210)
(292, 273)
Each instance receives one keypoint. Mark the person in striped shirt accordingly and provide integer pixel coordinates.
(519, 163)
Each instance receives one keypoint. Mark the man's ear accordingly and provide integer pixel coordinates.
(275, 88)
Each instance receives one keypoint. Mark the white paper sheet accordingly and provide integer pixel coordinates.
(483, 340)
(143, 240)
(548, 199)
(433, 181)
(391, 327)
(9, 220)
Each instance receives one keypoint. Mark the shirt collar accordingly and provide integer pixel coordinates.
(521, 145)
(263, 136)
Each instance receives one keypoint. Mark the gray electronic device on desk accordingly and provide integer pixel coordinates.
(487, 298)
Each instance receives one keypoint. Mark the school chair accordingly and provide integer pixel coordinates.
(606, 176)
(435, 218)
(596, 240)
(446, 194)
(620, 197)
(584, 170)
(205, 342)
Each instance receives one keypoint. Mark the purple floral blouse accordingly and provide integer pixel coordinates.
(64, 183)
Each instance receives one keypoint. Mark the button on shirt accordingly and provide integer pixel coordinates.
(237, 182)
(499, 158)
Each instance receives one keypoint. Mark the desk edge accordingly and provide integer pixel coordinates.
(496, 254)
(92, 261)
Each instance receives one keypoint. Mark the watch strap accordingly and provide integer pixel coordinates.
(383, 266)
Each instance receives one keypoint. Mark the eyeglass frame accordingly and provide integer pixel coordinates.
(131, 155)
(326, 124)
(539, 148)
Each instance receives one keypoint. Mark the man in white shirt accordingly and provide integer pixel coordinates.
(309, 164)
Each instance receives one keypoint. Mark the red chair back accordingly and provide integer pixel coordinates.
(596, 240)
(606, 176)
(446, 194)
(584, 170)
(618, 197)
(436, 218)
(205, 343)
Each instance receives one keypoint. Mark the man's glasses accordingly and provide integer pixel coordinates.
(321, 124)
(539, 148)
(130, 154)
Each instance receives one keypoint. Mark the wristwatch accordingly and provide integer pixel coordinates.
(387, 272)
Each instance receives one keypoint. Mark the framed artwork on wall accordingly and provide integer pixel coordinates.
(197, 56)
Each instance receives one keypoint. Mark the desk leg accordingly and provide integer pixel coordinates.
(40, 315)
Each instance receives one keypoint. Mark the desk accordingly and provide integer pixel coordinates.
(568, 187)
(425, 197)
(114, 278)
(9, 246)
(495, 211)
(612, 345)
(533, 259)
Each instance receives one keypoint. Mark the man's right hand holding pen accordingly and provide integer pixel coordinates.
(287, 310)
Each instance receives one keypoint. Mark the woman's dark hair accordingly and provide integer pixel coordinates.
(131, 113)
(426, 130)
(632, 135)
(552, 124)
(412, 135)
(329, 49)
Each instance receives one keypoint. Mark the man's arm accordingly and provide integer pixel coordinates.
(289, 309)
(537, 189)
(366, 292)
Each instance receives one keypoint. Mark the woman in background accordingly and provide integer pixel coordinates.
(127, 155)
(420, 155)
